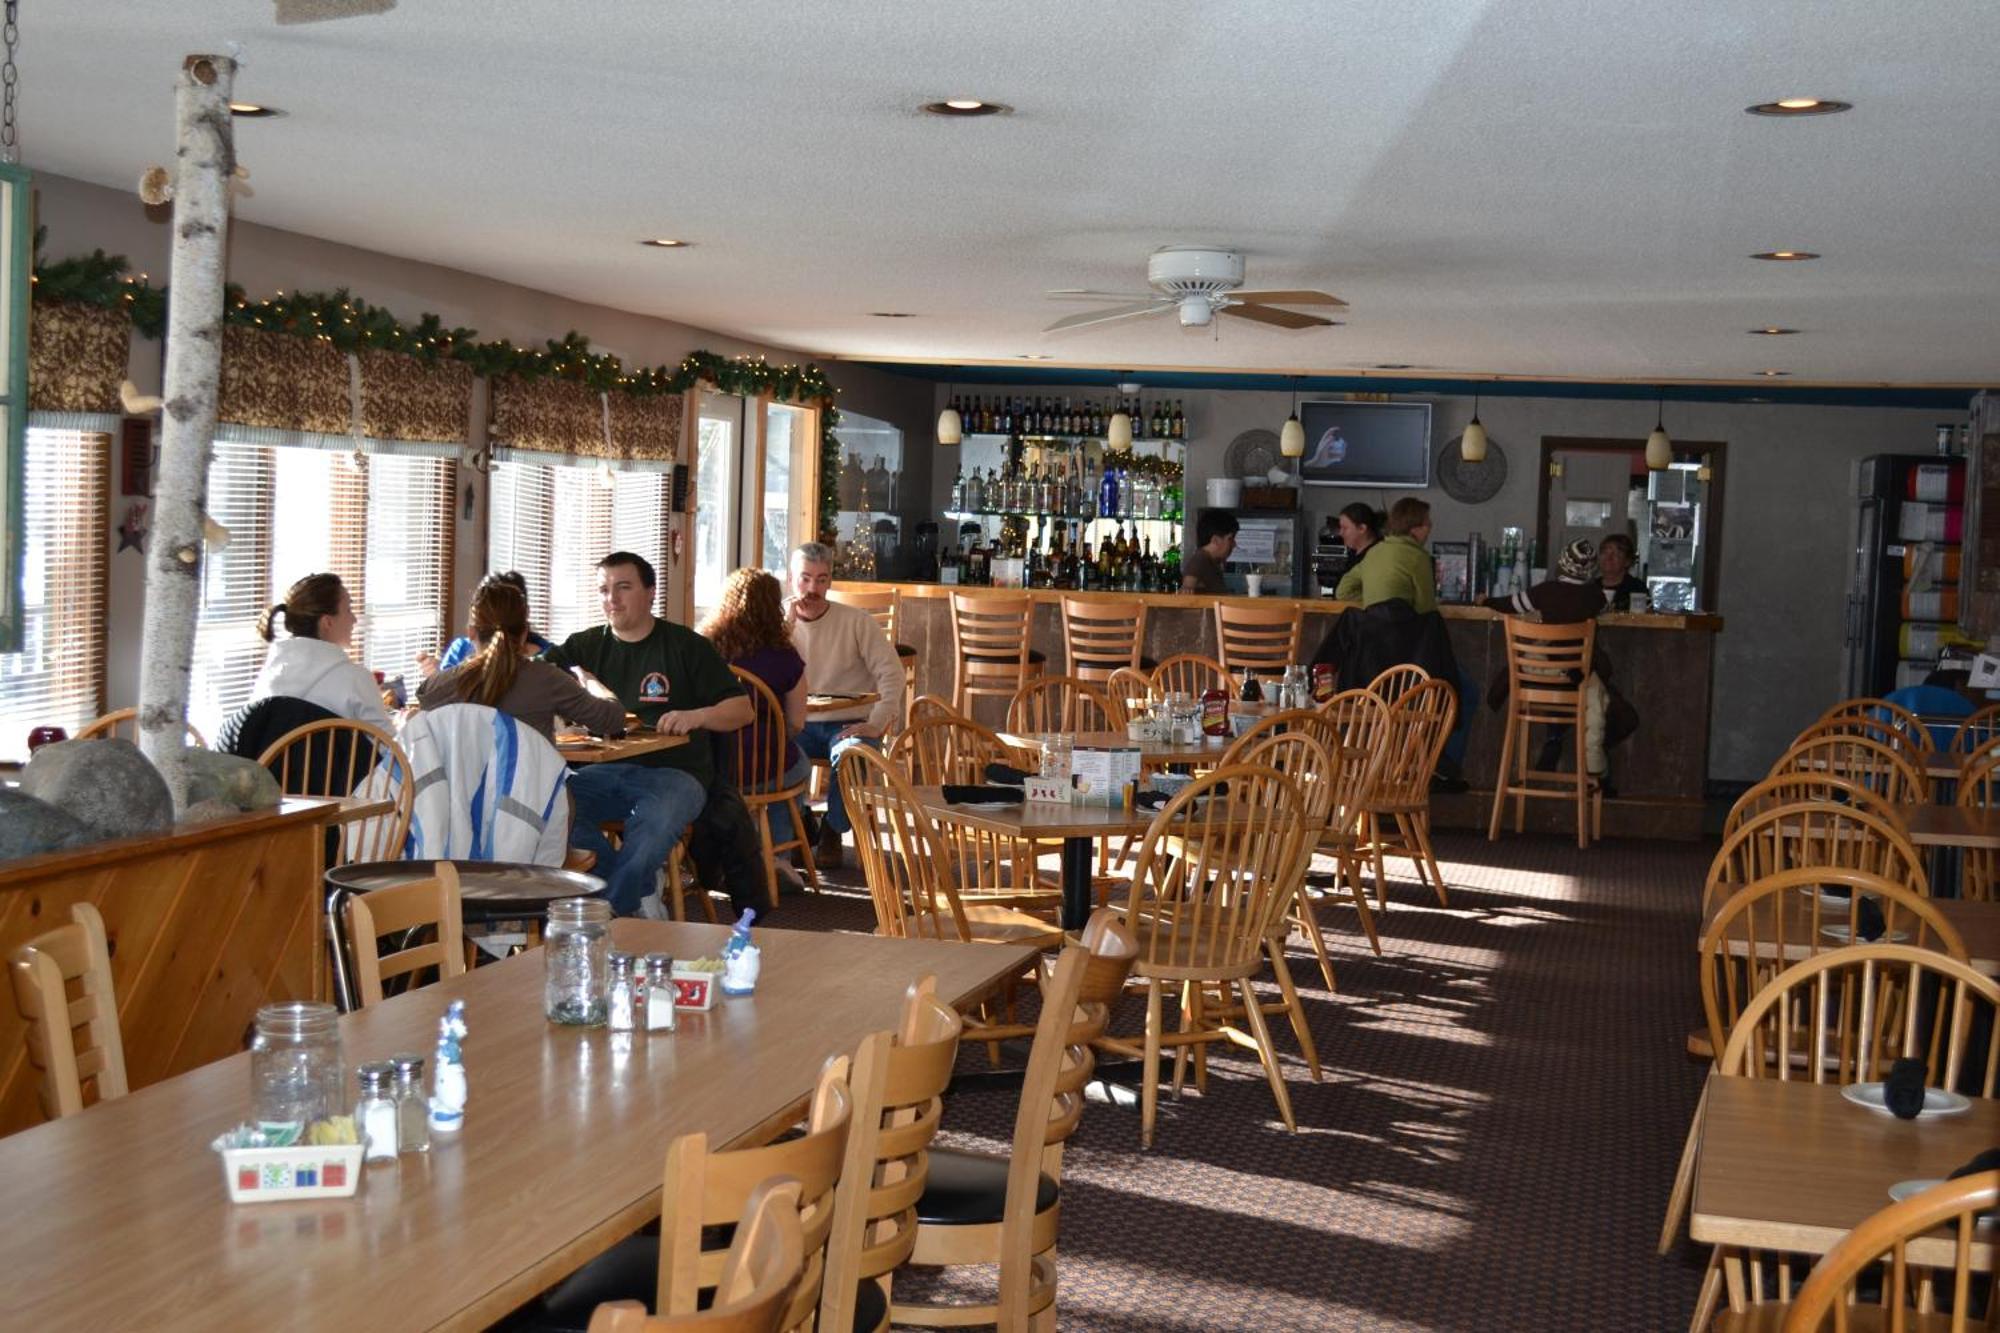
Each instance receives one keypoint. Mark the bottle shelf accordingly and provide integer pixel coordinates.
(1033, 437)
(963, 514)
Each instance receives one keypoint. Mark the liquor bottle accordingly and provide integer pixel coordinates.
(958, 491)
(1170, 570)
(1179, 431)
(948, 565)
(1107, 490)
(1124, 492)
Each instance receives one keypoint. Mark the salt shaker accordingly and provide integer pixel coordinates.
(375, 1115)
(413, 1111)
(622, 995)
(660, 992)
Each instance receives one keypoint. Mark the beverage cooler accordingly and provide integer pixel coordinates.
(1902, 604)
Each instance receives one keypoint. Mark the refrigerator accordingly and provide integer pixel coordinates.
(1902, 602)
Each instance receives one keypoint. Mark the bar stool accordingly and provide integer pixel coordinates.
(1257, 638)
(989, 636)
(1100, 637)
(1548, 672)
(886, 607)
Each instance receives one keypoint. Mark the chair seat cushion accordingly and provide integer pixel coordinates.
(969, 1189)
(628, 1271)
(871, 1307)
(1034, 655)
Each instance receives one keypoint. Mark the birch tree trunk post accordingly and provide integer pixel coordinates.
(204, 161)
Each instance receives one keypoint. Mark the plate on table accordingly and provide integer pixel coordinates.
(1839, 931)
(579, 743)
(1937, 1101)
(1904, 1189)
(1832, 899)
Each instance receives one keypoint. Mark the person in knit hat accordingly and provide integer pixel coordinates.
(1573, 596)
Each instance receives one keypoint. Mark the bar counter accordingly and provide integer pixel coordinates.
(1661, 663)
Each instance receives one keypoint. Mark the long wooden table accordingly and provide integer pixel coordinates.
(598, 750)
(1977, 923)
(1952, 826)
(120, 1217)
(1794, 1166)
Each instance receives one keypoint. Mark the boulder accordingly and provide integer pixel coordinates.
(207, 812)
(105, 784)
(239, 783)
(29, 827)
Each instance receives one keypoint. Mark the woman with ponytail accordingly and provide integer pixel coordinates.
(311, 661)
(499, 676)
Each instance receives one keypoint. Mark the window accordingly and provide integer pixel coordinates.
(600, 512)
(383, 523)
(57, 679)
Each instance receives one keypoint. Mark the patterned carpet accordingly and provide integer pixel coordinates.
(1504, 1103)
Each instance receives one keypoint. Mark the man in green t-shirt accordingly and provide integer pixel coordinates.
(678, 685)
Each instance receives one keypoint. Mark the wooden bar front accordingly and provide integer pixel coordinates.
(206, 923)
(1662, 664)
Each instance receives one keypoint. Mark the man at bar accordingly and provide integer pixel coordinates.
(1214, 539)
(679, 686)
(846, 652)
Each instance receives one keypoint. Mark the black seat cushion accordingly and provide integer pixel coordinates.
(628, 1271)
(871, 1307)
(968, 1189)
(1034, 655)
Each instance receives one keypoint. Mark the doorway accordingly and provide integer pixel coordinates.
(1594, 487)
(718, 496)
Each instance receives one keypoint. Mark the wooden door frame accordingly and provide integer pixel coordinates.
(1715, 450)
(755, 442)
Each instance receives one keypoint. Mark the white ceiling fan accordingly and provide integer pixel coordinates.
(321, 11)
(1196, 283)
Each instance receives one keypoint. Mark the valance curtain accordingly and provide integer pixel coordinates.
(555, 419)
(281, 389)
(76, 357)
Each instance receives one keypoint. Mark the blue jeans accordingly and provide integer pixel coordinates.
(1461, 729)
(781, 814)
(657, 804)
(818, 741)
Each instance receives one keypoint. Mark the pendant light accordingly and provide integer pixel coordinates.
(1472, 444)
(1118, 430)
(1292, 439)
(950, 430)
(1659, 449)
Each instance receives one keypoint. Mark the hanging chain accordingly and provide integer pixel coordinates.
(10, 83)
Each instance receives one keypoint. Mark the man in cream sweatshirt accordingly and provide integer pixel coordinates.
(846, 652)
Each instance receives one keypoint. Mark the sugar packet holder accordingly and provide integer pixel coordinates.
(696, 983)
(294, 1171)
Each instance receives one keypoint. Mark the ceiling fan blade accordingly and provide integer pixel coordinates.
(320, 11)
(1286, 319)
(1289, 298)
(1106, 316)
(1067, 293)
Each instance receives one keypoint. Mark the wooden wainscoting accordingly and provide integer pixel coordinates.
(205, 923)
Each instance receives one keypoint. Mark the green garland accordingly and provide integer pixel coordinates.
(350, 324)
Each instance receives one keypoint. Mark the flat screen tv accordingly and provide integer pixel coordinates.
(1366, 444)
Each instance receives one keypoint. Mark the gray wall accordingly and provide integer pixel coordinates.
(1787, 520)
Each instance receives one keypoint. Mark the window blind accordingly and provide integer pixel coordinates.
(554, 522)
(57, 679)
(236, 582)
(409, 550)
(519, 518)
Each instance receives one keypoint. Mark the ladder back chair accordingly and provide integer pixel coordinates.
(1217, 864)
(1976, 730)
(1813, 833)
(1789, 788)
(990, 639)
(403, 910)
(1397, 681)
(1358, 723)
(1960, 1206)
(332, 757)
(1296, 744)
(1101, 637)
(123, 723)
(1548, 675)
(992, 866)
(757, 1282)
(759, 770)
(885, 607)
(1894, 718)
(1979, 789)
(1918, 755)
(927, 707)
(1398, 816)
(71, 1041)
(887, 1163)
(1861, 760)
(1063, 703)
(1189, 674)
(1257, 638)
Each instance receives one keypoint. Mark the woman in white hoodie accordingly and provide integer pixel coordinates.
(311, 663)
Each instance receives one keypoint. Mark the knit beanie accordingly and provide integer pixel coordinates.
(1577, 561)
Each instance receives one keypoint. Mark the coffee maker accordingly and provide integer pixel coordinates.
(1330, 557)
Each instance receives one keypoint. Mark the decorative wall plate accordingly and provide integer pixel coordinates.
(1252, 454)
(1472, 483)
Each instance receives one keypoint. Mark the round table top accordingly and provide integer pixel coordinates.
(482, 884)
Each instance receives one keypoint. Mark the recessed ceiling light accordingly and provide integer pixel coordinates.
(1773, 331)
(966, 106)
(666, 243)
(1800, 106)
(253, 110)
(1774, 374)
(890, 314)
(1786, 256)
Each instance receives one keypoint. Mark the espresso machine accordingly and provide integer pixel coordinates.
(1330, 557)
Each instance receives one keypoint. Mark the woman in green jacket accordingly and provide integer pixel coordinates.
(1398, 568)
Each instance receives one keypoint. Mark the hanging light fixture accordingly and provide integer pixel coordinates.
(1118, 430)
(1292, 439)
(1659, 449)
(950, 429)
(1472, 444)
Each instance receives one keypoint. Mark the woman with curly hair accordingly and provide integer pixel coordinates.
(748, 628)
(499, 676)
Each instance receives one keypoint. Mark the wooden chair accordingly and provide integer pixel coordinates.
(1791, 787)
(1397, 818)
(1218, 863)
(1130, 685)
(927, 707)
(1813, 833)
(1301, 745)
(332, 757)
(1976, 730)
(887, 1163)
(1829, 1292)
(705, 1192)
(1358, 723)
(71, 1041)
(1782, 1034)
(1189, 674)
(1257, 638)
(1979, 789)
(1397, 681)
(760, 777)
(1548, 668)
(1101, 637)
(1861, 760)
(990, 637)
(755, 1287)
(949, 749)
(124, 724)
(1063, 703)
(1906, 727)
(979, 1208)
(885, 607)
(1917, 755)
(402, 910)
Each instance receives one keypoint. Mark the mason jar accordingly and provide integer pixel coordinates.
(576, 951)
(296, 1071)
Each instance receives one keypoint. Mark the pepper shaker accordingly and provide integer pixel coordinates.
(413, 1111)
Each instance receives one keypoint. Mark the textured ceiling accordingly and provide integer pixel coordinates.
(1533, 187)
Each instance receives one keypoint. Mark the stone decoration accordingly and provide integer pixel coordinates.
(29, 827)
(238, 783)
(105, 784)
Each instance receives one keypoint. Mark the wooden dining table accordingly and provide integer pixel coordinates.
(1794, 1165)
(834, 703)
(1952, 826)
(1152, 751)
(1977, 923)
(120, 1217)
(603, 750)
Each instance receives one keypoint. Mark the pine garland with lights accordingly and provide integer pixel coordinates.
(351, 324)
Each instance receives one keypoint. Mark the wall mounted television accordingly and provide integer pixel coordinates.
(1366, 444)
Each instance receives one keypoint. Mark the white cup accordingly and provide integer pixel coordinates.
(1255, 583)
